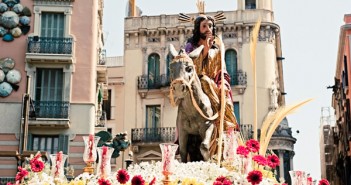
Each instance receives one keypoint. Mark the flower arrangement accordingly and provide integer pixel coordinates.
(193, 173)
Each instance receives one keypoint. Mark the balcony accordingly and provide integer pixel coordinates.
(167, 134)
(152, 135)
(101, 68)
(246, 131)
(5, 180)
(49, 49)
(50, 114)
(146, 83)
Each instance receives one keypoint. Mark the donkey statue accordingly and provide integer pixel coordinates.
(195, 115)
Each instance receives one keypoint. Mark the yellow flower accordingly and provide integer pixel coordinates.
(190, 181)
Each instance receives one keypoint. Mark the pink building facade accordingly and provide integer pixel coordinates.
(59, 61)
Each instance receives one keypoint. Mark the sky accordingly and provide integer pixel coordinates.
(310, 35)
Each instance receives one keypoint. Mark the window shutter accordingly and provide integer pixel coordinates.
(63, 143)
(237, 111)
(30, 142)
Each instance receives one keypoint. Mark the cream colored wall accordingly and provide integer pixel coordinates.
(133, 68)
(265, 67)
(117, 105)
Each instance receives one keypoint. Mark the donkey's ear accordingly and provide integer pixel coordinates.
(196, 52)
(173, 50)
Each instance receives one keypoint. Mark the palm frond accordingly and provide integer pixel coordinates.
(279, 117)
(253, 42)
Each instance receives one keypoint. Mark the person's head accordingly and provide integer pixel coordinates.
(202, 26)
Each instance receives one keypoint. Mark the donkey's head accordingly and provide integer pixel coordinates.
(182, 71)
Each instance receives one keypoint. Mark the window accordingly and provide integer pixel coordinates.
(166, 80)
(250, 4)
(49, 143)
(232, 66)
(153, 116)
(49, 84)
(153, 71)
(106, 106)
(49, 94)
(237, 111)
(52, 24)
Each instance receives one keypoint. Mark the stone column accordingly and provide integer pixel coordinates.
(145, 56)
(292, 153)
(281, 166)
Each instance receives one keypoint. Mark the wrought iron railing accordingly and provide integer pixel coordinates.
(5, 180)
(102, 57)
(238, 78)
(149, 135)
(246, 131)
(50, 45)
(101, 122)
(50, 109)
(149, 82)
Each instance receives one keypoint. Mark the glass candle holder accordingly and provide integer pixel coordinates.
(57, 165)
(230, 144)
(168, 155)
(90, 153)
(104, 164)
(298, 177)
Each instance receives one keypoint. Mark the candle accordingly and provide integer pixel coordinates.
(91, 145)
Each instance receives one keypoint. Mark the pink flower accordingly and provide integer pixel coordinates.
(37, 166)
(323, 182)
(259, 159)
(153, 181)
(273, 161)
(138, 180)
(104, 182)
(122, 176)
(21, 174)
(217, 183)
(221, 180)
(255, 177)
(253, 145)
(242, 150)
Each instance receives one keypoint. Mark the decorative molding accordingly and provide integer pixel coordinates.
(153, 39)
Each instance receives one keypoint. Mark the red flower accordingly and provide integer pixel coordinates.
(259, 159)
(104, 182)
(21, 173)
(138, 180)
(255, 177)
(253, 145)
(153, 181)
(221, 180)
(122, 176)
(37, 166)
(323, 182)
(242, 150)
(217, 183)
(273, 161)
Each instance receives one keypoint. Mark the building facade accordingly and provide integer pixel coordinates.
(141, 91)
(341, 160)
(61, 62)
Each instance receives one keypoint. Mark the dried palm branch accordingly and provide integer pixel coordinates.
(278, 118)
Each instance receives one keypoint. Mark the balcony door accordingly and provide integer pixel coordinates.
(153, 71)
(52, 32)
(49, 94)
(232, 66)
(52, 25)
(153, 122)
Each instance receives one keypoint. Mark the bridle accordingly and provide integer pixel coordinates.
(188, 85)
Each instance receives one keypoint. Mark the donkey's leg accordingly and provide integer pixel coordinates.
(183, 141)
(205, 145)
